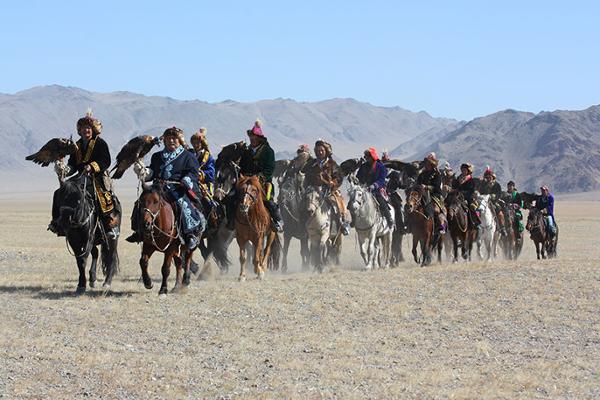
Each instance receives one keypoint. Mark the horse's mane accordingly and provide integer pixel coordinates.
(231, 152)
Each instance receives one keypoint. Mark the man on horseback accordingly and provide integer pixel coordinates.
(545, 203)
(302, 157)
(93, 158)
(465, 184)
(323, 172)
(372, 174)
(514, 200)
(259, 160)
(206, 172)
(431, 180)
(179, 168)
(493, 188)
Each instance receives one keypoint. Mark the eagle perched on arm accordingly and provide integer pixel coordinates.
(134, 150)
(52, 151)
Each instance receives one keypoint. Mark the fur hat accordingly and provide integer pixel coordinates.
(371, 152)
(468, 167)
(90, 121)
(303, 148)
(178, 133)
(432, 158)
(448, 168)
(545, 188)
(200, 137)
(256, 129)
(325, 145)
(489, 172)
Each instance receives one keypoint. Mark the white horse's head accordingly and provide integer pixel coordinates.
(356, 197)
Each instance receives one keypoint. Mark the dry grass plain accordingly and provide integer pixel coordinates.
(526, 329)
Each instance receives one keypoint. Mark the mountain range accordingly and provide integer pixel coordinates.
(560, 148)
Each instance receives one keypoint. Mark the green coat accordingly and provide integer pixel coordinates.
(259, 161)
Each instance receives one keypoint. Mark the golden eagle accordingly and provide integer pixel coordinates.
(134, 150)
(52, 151)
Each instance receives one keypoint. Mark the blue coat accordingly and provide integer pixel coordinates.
(367, 175)
(546, 203)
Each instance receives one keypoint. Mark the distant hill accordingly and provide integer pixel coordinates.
(560, 148)
(31, 117)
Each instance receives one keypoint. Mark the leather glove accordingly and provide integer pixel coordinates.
(61, 168)
(140, 170)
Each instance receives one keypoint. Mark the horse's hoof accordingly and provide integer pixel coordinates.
(186, 280)
(242, 279)
(162, 291)
(92, 284)
(80, 290)
(261, 276)
(147, 282)
(162, 295)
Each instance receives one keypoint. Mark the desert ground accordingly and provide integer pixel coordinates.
(524, 329)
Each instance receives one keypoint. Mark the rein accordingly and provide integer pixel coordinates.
(155, 226)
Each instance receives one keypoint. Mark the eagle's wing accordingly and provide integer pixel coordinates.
(135, 149)
(52, 151)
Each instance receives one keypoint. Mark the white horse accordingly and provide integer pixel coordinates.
(374, 234)
(487, 228)
(324, 234)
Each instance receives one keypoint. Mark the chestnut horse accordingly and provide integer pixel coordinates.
(462, 231)
(161, 233)
(253, 224)
(421, 226)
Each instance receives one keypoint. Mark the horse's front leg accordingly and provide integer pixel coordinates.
(187, 266)
(166, 271)
(415, 243)
(259, 268)
(537, 249)
(286, 245)
(242, 246)
(93, 266)
(81, 285)
(147, 251)
(304, 253)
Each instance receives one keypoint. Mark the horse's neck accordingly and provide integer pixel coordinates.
(367, 212)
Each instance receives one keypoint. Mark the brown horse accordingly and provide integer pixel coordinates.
(462, 231)
(544, 242)
(512, 242)
(253, 224)
(160, 233)
(421, 226)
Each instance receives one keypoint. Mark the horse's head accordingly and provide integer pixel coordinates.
(483, 200)
(77, 202)
(535, 220)
(250, 191)
(313, 200)
(356, 197)
(453, 201)
(226, 179)
(150, 202)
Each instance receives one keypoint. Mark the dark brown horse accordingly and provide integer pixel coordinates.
(160, 233)
(421, 226)
(512, 242)
(253, 224)
(537, 230)
(462, 231)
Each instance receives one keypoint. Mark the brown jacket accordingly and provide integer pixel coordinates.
(327, 175)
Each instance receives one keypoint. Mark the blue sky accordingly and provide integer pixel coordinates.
(454, 59)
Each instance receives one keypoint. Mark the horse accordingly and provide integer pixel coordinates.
(462, 232)
(538, 230)
(290, 197)
(324, 234)
(512, 242)
(253, 225)
(394, 185)
(487, 229)
(373, 233)
(160, 232)
(420, 225)
(79, 219)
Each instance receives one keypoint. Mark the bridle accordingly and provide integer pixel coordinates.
(154, 226)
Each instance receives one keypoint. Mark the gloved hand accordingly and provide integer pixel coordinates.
(372, 188)
(61, 168)
(186, 182)
(140, 170)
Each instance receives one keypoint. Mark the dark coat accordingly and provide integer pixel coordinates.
(181, 165)
(467, 187)
(96, 154)
(207, 166)
(432, 180)
(259, 161)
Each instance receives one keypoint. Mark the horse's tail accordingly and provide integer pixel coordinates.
(275, 255)
(217, 246)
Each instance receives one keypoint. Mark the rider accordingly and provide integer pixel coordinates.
(493, 188)
(431, 180)
(259, 160)
(323, 172)
(545, 203)
(465, 184)
(372, 174)
(514, 200)
(180, 168)
(302, 157)
(92, 157)
(447, 178)
(206, 172)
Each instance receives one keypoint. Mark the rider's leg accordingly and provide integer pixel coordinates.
(383, 207)
(136, 236)
(275, 214)
(337, 205)
(53, 226)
